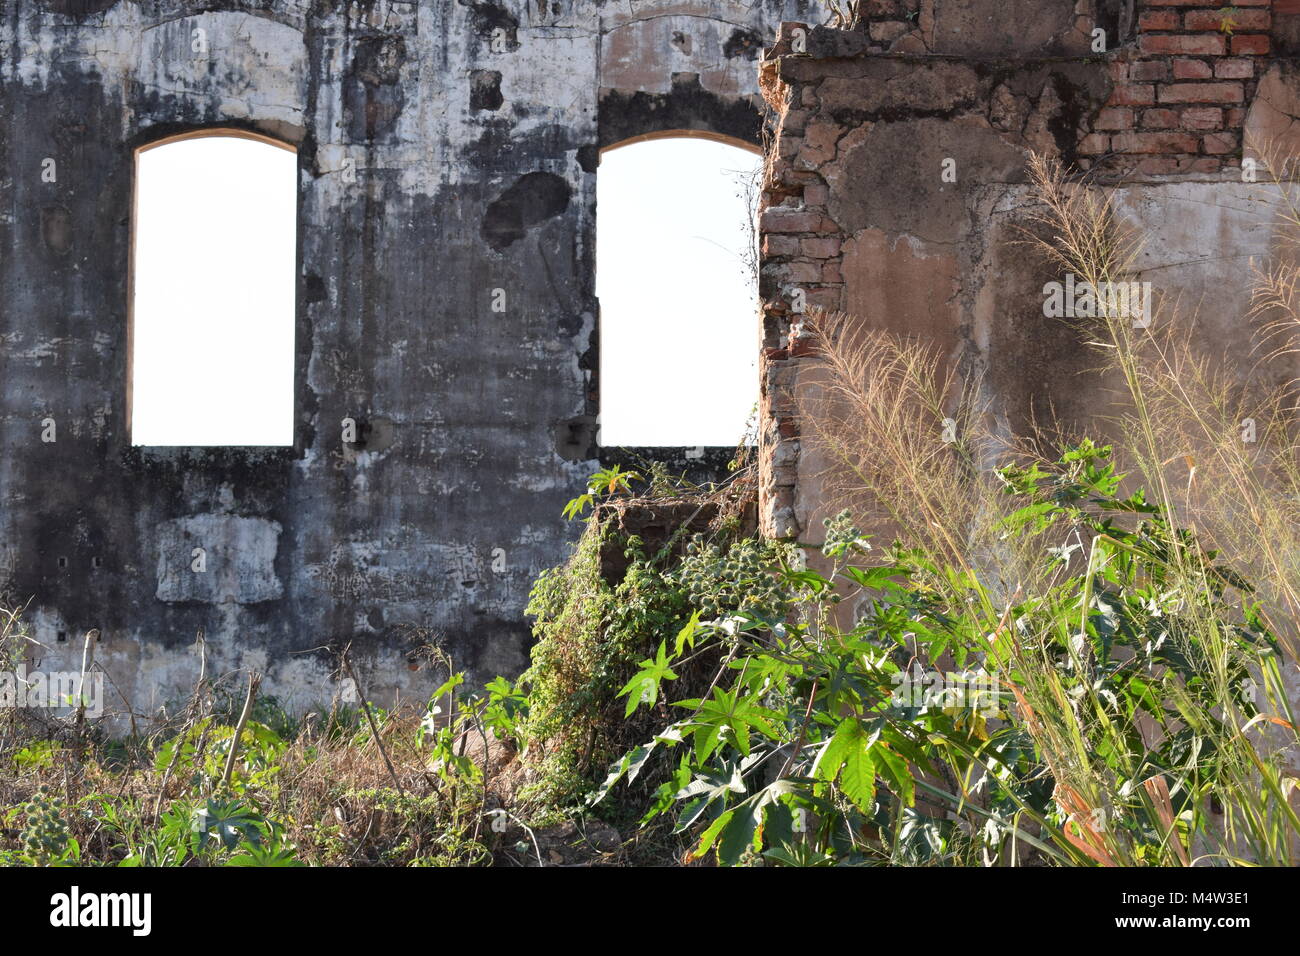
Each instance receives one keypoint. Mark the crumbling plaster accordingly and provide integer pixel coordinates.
(858, 215)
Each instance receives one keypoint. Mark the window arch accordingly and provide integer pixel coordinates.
(676, 276)
(212, 289)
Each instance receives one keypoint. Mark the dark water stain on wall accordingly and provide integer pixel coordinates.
(531, 199)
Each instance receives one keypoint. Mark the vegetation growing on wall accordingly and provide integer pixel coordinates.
(592, 631)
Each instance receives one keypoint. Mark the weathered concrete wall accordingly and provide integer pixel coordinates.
(859, 216)
(446, 150)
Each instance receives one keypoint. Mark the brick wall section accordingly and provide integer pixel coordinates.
(1181, 92)
(800, 244)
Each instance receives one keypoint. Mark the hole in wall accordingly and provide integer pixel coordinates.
(676, 276)
(213, 287)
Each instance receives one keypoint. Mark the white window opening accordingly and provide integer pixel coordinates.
(676, 275)
(212, 303)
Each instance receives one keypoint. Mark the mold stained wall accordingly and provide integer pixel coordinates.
(447, 150)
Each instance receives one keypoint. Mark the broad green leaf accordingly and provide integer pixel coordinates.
(643, 688)
(848, 757)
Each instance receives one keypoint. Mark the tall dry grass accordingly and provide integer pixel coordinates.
(1183, 431)
(882, 416)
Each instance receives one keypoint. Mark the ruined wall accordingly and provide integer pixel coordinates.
(449, 150)
(446, 150)
(859, 216)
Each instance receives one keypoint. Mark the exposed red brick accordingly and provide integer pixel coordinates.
(831, 271)
(1160, 119)
(1192, 70)
(1250, 46)
(1242, 20)
(1134, 94)
(1234, 117)
(780, 246)
(1158, 20)
(803, 346)
(1215, 143)
(1114, 118)
(1242, 69)
(1146, 71)
(785, 219)
(1207, 164)
(795, 120)
(887, 31)
(1286, 6)
(1199, 45)
(803, 271)
(818, 143)
(1203, 117)
(785, 175)
(1171, 142)
(816, 194)
(1202, 3)
(1201, 93)
(827, 298)
(1162, 165)
(1094, 144)
(822, 247)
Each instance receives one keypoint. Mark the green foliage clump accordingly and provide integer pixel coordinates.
(737, 578)
(590, 636)
(45, 839)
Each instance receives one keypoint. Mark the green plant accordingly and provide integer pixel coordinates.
(1090, 722)
(592, 631)
(1181, 433)
(607, 481)
(497, 712)
(45, 839)
(142, 844)
(38, 755)
(202, 750)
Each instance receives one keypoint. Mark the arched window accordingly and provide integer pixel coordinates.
(212, 291)
(676, 275)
